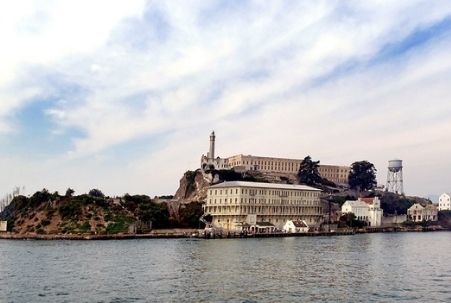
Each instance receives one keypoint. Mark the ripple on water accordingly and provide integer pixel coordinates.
(361, 268)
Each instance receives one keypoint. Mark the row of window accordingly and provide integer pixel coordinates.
(271, 220)
(262, 210)
(263, 201)
(253, 192)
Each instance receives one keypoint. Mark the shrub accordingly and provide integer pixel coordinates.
(96, 193)
(72, 209)
(85, 227)
(190, 214)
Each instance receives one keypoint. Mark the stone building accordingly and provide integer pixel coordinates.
(335, 173)
(237, 205)
(444, 202)
(365, 209)
(419, 213)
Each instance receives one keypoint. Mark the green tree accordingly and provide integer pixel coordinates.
(308, 172)
(362, 176)
(69, 192)
(350, 220)
(40, 197)
(394, 204)
(158, 214)
(190, 214)
(96, 193)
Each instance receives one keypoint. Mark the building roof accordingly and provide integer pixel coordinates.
(286, 159)
(367, 200)
(299, 223)
(416, 206)
(355, 203)
(431, 206)
(228, 184)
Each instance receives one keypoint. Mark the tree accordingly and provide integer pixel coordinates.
(362, 176)
(350, 220)
(392, 204)
(40, 197)
(190, 214)
(308, 172)
(96, 193)
(69, 192)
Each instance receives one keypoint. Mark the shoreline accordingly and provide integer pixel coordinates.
(180, 234)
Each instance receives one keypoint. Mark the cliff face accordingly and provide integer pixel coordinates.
(194, 184)
(193, 187)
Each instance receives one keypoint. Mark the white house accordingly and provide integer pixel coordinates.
(365, 209)
(295, 226)
(444, 202)
(3, 226)
(419, 213)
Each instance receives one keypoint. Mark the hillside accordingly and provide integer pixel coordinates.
(46, 213)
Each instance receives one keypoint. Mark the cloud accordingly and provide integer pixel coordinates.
(339, 81)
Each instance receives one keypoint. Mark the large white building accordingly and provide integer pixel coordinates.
(237, 205)
(365, 209)
(336, 173)
(444, 202)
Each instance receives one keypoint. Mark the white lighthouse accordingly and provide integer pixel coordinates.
(211, 152)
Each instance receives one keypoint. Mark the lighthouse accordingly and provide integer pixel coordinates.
(211, 152)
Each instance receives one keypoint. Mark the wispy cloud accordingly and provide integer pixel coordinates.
(342, 81)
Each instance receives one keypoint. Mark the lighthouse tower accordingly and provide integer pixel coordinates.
(211, 152)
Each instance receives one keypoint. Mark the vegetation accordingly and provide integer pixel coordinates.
(444, 218)
(96, 193)
(362, 176)
(47, 213)
(231, 175)
(69, 192)
(308, 172)
(349, 220)
(71, 209)
(393, 204)
(190, 214)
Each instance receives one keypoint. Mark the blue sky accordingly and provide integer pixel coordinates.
(125, 100)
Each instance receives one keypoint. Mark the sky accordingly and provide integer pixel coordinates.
(122, 95)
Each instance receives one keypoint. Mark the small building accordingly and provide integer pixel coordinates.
(444, 202)
(295, 226)
(365, 209)
(3, 226)
(419, 213)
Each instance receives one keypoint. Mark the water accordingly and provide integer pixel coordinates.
(409, 267)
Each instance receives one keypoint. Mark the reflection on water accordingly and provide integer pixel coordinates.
(362, 268)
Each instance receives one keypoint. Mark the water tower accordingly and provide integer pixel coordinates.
(394, 177)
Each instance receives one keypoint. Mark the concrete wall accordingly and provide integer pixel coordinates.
(390, 220)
